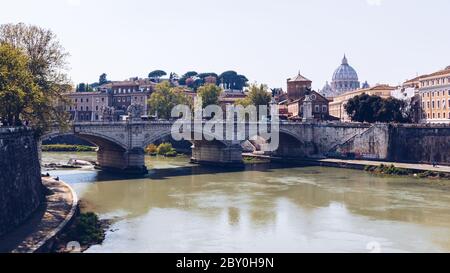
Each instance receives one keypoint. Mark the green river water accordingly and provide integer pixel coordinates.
(180, 207)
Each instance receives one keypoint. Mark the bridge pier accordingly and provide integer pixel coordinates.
(116, 160)
(215, 153)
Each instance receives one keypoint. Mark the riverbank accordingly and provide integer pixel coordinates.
(68, 148)
(38, 233)
(376, 167)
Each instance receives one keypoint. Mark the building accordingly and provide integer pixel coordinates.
(320, 109)
(337, 106)
(297, 87)
(344, 79)
(434, 91)
(115, 96)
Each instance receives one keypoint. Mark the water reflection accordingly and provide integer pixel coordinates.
(264, 209)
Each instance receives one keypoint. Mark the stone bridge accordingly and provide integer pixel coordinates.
(121, 144)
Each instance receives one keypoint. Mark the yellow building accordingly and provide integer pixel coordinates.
(337, 106)
(434, 90)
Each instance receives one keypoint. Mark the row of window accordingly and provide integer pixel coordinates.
(437, 115)
(129, 90)
(433, 104)
(125, 99)
(317, 109)
(435, 82)
(87, 100)
(435, 93)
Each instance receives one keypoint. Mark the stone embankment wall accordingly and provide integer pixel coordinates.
(21, 190)
(420, 143)
(399, 143)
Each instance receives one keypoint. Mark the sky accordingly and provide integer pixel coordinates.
(386, 41)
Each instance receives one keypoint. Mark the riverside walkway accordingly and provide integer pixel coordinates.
(410, 166)
(37, 234)
(361, 164)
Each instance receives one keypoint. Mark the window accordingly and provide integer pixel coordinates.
(76, 100)
(81, 108)
(87, 100)
(438, 104)
(103, 99)
(82, 100)
(87, 108)
(432, 104)
(317, 108)
(96, 108)
(434, 116)
(324, 108)
(439, 115)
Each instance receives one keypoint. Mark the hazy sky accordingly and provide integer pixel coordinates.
(386, 41)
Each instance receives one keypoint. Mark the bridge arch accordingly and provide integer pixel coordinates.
(112, 154)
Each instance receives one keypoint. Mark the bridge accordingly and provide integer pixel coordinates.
(122, 144)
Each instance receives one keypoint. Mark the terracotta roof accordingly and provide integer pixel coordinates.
(381, 87)
(299, 78)
(438, 73)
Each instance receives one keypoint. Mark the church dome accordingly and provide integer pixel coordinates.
(345, 78)
(345, 72)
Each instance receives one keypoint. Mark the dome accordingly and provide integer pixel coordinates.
(345, 72)
(345, 78)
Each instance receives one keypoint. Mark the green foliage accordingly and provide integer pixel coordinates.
(165, 98)
(156, 74)
(171, 153)
(210, 94)
(232, 80)
(164, 148)
(67, 148)
(46, 61)
(18, 92)
(258, 95)
(388, 169)
(87, 229)
(365, 108)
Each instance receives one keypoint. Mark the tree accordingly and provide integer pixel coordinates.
(189, 74)
(103, 79)
(17, 89)
(81, 87)
(231, 80)
(156, 74)
(258, 95)
(47, 65)
(365, 108)
(210, 94)
(164, 98)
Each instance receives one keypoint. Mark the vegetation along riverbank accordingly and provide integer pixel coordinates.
(86, 230)
(68, 148)
(392, 170)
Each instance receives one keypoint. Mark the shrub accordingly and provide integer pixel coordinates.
(67, 148)
(164, 148)
(151, 149)
(87, 229)
(172, 153)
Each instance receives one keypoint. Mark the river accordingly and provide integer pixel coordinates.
(180, 207)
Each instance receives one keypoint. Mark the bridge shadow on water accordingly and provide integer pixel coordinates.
(167, 173)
